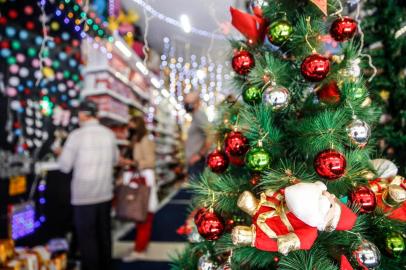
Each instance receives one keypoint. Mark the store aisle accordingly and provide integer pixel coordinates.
(165, 241)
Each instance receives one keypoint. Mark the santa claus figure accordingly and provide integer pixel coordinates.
(288, 222)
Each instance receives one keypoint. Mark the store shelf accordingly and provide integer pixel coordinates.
(115, 118)
(115, 95)
(121, 78)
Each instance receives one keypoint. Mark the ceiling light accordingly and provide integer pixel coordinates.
(142, 68)
(123, 48)
(184, 21)
(155, 82)
(201, 74)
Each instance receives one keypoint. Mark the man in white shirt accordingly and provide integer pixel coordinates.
(91, 152)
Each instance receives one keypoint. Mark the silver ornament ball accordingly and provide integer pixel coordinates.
(368, 255)
(359, 132)
(205, 263)
(277, 97)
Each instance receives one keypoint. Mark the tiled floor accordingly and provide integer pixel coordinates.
(165, 241)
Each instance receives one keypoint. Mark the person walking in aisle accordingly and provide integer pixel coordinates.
(144, 161)
(91, 151)
(197, 143)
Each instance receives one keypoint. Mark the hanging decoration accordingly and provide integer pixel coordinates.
(279, 31)
(330, 164)
(242, 62)
(364, 198)
(252, 95)
(343, 29)
(367, 255)
(252, 26)
(315, 67)
(329, 93)
(217, 161)
(277, 97)
(258, 159)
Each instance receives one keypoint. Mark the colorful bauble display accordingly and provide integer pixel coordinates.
(315, 67)
(258, 159)
(359, 132)
(210, 226)
(277, 97)
(364, 198)
(236, 144)
(279, 31)
(217, 161)
(395, 244)
(206, 263)
(242, 62)
(252, 95)
(367, 255)
(329, 93)
(343, 29)
(330, 164)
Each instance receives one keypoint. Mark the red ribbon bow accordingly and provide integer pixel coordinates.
(252, 26)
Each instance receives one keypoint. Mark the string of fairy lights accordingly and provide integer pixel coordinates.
(186, 74)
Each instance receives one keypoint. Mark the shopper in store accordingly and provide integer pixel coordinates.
(144, 161)
(91, 152)
(198, 142)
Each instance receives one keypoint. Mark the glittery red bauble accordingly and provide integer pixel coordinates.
(330, 164)
(199, 214)
(343, 29)
(236, 144)
(210, 226)
(242, 62)
(217, 161)
(365, 198)
(315, 67)
(329, 93)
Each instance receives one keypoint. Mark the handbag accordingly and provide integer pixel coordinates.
(132, 199)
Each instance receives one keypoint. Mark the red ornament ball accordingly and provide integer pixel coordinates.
(236, 144)
(12, 14)
(365, 198)
(217, 161)
(343, 29)
(329, 93)
(242, 62)
(330, 164)
(315, 67)
(210, 225)
(199, 214)
(255, 179)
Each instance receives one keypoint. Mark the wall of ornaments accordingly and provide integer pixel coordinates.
(39, 87)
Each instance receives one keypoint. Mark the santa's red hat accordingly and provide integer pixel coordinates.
(347, 219)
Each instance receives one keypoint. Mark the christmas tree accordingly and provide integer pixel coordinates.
(293, 182)
(384, 25)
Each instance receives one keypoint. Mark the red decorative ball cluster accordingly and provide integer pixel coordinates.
(315, 67)
(209, 225)
(330, 164)
(365, 198)
(217, 161)
(236, 144)
(343, 29)
(242, 62)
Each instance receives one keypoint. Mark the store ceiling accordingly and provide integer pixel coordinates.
(207, 15)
